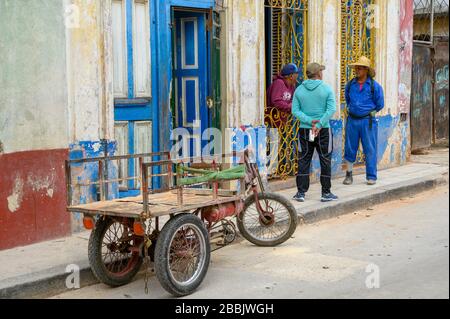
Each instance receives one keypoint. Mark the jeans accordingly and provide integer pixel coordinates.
(359, 130)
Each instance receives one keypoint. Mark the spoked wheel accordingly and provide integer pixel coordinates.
(182, 255)
(114, 252)
(276, 225)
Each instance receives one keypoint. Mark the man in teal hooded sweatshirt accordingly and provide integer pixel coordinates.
(314, 104)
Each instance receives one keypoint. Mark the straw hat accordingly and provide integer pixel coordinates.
(364, 61)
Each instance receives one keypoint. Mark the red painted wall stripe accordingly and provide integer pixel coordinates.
(32, 197)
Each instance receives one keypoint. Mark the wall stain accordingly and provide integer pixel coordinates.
(15, 199)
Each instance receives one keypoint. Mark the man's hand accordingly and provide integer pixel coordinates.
(315, 130)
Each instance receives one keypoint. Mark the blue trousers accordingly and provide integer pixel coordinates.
(359, 130)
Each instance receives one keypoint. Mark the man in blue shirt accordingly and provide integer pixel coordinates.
(365, 98)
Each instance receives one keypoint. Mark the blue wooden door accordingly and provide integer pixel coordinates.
(190, 76)
(135, 110)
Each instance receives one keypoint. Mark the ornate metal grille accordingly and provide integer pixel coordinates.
(357, 39)
(289, 21)
(288, 29)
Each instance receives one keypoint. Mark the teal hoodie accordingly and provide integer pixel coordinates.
(314, 100)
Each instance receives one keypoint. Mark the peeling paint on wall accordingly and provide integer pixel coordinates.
(392, 149)
(89, 74)
(15, 199)
(386, 126)
(404, 151)
(39, 183)
(442, 78)
(244, 94)
(88, 173)
(32, 197)
(36, 183)
(254, 138)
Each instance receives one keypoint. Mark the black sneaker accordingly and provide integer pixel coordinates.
(348, 178)
(329, 197)
(299, 197)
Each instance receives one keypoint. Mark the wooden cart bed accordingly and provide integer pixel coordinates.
(170, 200)
(159, 204)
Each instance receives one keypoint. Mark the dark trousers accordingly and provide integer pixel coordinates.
(324, 146)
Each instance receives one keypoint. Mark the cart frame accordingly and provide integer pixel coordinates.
(197, 217)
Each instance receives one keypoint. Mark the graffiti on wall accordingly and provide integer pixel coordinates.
(441, 95)
(442, 87)
(442, 78)
(406, 49)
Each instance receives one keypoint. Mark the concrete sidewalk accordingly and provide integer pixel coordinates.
(40, 270)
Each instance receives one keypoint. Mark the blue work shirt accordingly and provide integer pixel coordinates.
(361, 102)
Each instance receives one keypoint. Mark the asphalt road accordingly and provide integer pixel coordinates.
(395, 250)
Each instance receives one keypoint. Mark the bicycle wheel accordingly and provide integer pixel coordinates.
(278, 224)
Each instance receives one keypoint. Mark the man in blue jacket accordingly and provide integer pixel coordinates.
(314, 104)
(365, 98)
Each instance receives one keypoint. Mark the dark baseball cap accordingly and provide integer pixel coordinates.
(289, 69)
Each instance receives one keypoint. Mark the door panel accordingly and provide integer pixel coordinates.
(189, 43)
(141, 46)
(142, 145)
(215, 71)
(421, 106)
(119, 48)
(121, 134)
(190, 100)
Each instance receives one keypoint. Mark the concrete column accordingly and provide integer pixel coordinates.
(90, 91)
(244, 66)
(89, 72)
(405, 59)
(324, 41)
(387, 53)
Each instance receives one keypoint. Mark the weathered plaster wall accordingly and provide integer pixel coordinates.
(33, 122)
(393, 66)
(405, 73)
(406, 46)
(33, 105)
(244, 66)
(90, 94)
(392, 134)
(387, 53)
(244, 88)
(323, 42)
(324, 47)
